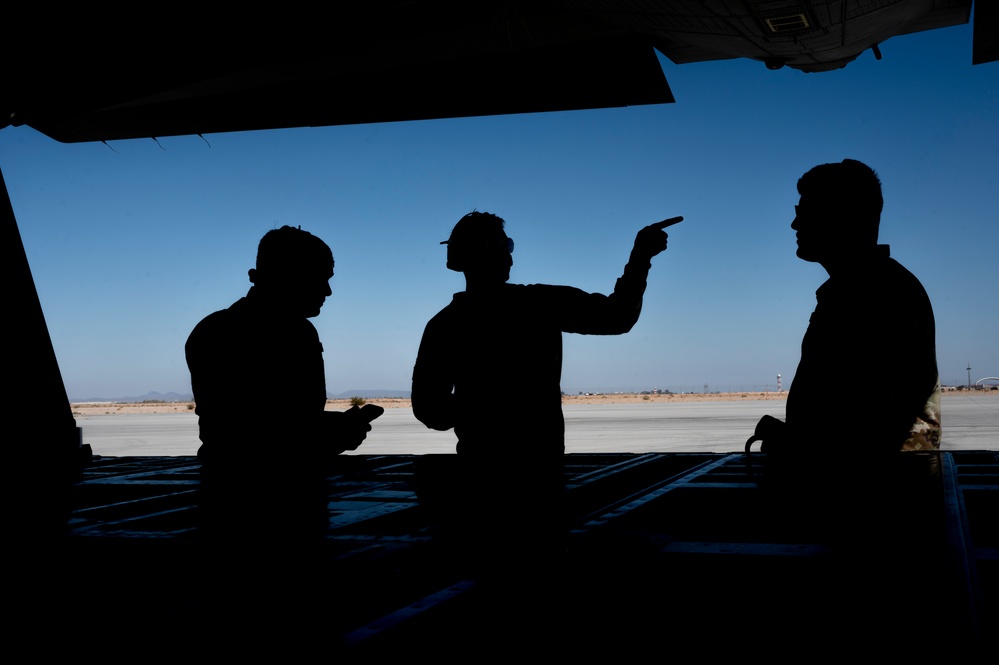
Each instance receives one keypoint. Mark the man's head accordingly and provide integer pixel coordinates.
(839, 211)
(293, 269)
(479, 247)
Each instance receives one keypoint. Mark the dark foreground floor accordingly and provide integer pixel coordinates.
(666, 554)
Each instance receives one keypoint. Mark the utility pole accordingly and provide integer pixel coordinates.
(969, 376)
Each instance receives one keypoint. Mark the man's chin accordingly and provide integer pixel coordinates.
(805, 255)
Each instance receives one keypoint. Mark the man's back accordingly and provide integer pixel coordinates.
(872, 327)
(502, 353)
(248, 348)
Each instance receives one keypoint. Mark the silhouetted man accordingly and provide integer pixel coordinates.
(871, 315)
(489, 366)
(848, 463)
(267, 441)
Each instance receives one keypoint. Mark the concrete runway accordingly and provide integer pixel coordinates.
(970, 422)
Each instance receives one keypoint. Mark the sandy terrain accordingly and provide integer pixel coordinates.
(111, 408)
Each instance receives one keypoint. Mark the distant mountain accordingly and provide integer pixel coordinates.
(152, 396)
(371, 394)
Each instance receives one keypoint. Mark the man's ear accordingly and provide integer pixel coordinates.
(252, 272)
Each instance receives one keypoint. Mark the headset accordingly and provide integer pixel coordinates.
(458, 253)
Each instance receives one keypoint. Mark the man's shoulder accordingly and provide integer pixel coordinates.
(902, 279)
(442, 318)
(545, 291)
(876, 277)
(891, 291)
(457, 300)
(219, 318)
(519, 296)
(894, 267)
(507, 296)
(208, 334)
(209, 322)
(243, 318)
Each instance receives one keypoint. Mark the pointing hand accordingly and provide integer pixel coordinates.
(651, 240)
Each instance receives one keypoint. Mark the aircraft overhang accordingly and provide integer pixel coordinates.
(386, 60)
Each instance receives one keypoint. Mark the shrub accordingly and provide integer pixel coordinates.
(357, 401)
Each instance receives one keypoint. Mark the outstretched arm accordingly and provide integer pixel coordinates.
(597, 314)
(630, 288)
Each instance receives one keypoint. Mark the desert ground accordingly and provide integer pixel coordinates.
(110, 408)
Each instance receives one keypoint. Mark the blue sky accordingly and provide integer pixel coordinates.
(132, 243)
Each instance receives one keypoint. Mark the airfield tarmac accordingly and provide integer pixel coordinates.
(970, 422)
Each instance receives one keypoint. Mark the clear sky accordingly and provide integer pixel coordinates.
(132, 243)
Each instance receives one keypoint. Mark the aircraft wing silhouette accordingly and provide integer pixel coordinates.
(108, 77)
